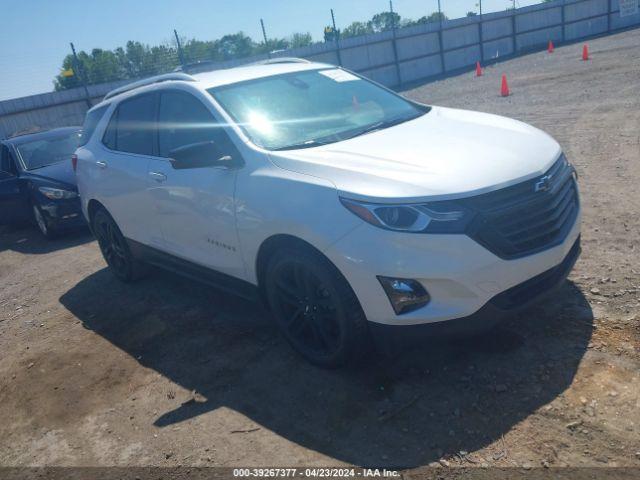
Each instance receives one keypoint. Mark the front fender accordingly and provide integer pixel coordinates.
(272, 201)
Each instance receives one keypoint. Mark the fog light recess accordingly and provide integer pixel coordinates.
(405, 294)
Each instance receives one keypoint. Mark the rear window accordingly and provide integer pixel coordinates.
(41, 153)
(90, 123)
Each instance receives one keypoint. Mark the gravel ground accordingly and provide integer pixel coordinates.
(169, 372)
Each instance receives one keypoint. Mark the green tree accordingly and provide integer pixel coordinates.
(471, 14)
(97, 67)
(236, 45)
(434, 17)
(383, 21)
(356, 29)
(197, 50)
(300, 40)
(62, 82)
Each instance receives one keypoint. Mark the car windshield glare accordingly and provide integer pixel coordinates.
(310, 108)
(43, 152)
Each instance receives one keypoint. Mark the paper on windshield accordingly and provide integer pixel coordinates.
(339, 75)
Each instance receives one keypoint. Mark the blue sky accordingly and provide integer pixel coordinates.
(35, 34)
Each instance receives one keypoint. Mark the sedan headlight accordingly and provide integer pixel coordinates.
(57, 193)
(433, 217)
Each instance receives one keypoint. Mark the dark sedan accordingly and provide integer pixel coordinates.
(37, 181)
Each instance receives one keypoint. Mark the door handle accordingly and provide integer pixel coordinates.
(158, 176)
(101, 164)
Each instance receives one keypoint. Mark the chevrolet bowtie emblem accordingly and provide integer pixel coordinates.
(543, 184)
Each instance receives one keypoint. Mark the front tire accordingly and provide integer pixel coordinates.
(42, 224)
(315, 308)
(115, 249)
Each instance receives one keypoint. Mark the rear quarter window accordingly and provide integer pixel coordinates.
(132, 126)
(91, 121)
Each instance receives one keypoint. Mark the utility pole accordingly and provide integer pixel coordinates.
(335, 36)
(394, 43)
(480, 33)
(80, 72)
(264, 35)
(180, 52)
(440, 39)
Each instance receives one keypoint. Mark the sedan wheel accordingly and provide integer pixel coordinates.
(41, 222)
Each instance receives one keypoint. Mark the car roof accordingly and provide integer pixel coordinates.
(216, 78)
(43, 135)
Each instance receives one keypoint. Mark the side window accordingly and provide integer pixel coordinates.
(183, 120)
(90, 123)
(132, 126)
(109, 138)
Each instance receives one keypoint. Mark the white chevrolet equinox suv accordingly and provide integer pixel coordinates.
(349, 209)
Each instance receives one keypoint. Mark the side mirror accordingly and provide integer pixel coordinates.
(199, 155)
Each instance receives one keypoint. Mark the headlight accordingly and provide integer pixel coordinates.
(433, 217)
(57, 193)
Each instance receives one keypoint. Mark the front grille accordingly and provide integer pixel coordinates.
(522, 294)
(528, 217)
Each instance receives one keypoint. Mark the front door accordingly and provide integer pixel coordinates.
(194, 207)
(13, 198)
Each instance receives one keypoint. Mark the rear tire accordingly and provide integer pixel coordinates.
(315, 308)
(115, 249)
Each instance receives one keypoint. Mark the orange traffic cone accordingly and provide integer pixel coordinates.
(550, 47)
(478, 69)
(585, 52)
(504, 90)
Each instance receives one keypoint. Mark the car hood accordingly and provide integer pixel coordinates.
(61, 172)
(446, 153)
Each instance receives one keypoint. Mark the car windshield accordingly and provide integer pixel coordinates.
(310, 108)
(43, 152)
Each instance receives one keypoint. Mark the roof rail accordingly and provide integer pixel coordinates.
(150, 81)
(276, 60)
(198, 66)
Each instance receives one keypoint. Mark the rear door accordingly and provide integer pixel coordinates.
(13, 198)
(121, 166)
(194, 207)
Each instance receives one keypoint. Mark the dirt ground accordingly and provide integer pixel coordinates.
(170, 372)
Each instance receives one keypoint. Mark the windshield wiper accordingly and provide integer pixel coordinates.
(305, 144)
(382, 125)
(371, 128)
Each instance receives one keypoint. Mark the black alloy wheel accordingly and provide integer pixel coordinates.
(315, 308)
(114, 247)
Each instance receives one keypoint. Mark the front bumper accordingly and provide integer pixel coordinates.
(461, 276)
(393, 339)
(63, 214)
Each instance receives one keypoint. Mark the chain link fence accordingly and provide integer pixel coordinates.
(390, 47)
(138, 60)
